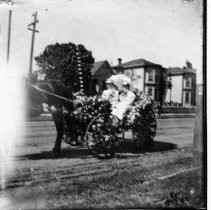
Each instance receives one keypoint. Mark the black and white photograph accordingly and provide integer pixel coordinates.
(103, 104)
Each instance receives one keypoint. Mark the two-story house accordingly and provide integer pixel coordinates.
(183, 86)
(146, 76)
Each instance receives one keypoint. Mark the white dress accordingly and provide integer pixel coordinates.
(111, 95)
(125, 100)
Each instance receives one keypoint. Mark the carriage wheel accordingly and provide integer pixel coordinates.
(102, 135)
(144, 129)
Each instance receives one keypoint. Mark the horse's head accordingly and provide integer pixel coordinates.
(52, 94)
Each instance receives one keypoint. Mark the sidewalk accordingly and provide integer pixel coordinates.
(176, 115)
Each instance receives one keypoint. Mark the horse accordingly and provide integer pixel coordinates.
(58, 98)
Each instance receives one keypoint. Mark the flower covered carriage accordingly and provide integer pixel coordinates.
(94, 124)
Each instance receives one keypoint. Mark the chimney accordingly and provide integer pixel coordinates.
(120, 61)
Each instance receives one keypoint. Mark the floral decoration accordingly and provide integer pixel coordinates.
(140, 104)
(90, 107)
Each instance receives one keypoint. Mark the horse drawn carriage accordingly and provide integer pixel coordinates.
(91, 120)
(93, 124)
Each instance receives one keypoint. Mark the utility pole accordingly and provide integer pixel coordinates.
(200, 125)
(33, 29)
(9, 35)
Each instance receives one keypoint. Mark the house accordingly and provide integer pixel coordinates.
(146, 76)
(182, 89)
(101, 71)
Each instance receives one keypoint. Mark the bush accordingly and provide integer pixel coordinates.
(167, 109)
(34, 110)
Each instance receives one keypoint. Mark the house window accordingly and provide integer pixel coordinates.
(156, 94)
(149, 91)
(150, 76)
(187, 97)
(97, 88)
(103, 85)
(156, 77)
(188, 82)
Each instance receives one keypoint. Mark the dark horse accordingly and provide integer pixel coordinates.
(57, 105)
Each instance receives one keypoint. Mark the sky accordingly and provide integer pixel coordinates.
(167, 32)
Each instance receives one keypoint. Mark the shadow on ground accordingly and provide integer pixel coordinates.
(77, 152)
(82, 152)
(155, 146)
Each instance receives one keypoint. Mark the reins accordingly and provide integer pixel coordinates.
(49, 93)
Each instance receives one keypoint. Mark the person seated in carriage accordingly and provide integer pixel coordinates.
(111, 93)
(119, 94)
(126, 98)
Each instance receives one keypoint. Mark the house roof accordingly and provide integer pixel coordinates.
(98, 65)
(179, 71)
(138, 62)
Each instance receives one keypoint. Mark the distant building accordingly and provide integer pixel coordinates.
(101, 71)
(182, 88)
(146, 76)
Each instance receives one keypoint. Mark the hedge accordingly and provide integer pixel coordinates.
(168, 109)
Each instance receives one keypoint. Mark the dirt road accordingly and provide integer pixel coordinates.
(41, 180)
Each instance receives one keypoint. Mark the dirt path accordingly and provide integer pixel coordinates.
(41, 180)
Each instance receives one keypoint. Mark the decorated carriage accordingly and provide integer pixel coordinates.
(93, 123)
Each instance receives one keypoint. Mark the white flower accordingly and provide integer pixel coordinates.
(91, 144)
(106, 138)
(53, 108)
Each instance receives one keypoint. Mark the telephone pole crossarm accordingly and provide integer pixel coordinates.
(31, 29)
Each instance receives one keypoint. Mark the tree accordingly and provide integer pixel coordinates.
(58, 63)
(33, 78)
(188, 65)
